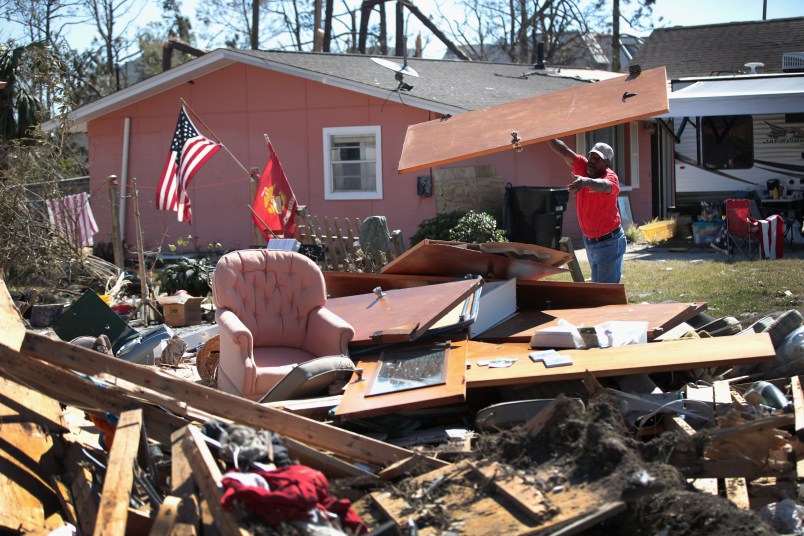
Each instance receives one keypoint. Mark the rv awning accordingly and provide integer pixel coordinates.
(738, 97)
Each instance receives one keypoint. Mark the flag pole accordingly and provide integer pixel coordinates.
(217, 139)
(262, 222)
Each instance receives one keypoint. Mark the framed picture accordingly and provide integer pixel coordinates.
(409, 369)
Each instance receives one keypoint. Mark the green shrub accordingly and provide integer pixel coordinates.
(187, 274)
(437, 228)
(476, 228)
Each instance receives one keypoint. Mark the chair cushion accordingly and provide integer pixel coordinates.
(311, 378)
(274, 363)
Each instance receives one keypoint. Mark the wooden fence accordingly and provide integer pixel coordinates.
(335, 244)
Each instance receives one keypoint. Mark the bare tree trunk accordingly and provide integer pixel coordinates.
(383, 30)
(317, 37)
(400, 30)
(615, 36)
(254, 38)
(328, 26)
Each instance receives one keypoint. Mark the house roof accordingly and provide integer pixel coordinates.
(442, 86)
(721, 48)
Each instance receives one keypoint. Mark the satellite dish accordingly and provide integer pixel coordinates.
(397, 68)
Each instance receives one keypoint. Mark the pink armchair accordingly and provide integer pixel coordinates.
(271, 315)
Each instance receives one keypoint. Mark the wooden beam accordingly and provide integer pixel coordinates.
(565, 244)
(209, 479)
(113, 509)
(220, 404)
(12, 329)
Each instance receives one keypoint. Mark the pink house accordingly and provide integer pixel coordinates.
(337, 123)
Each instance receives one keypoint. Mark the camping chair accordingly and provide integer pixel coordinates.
(271, 316)
(743, 232)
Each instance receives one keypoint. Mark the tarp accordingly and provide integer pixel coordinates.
(738, 96)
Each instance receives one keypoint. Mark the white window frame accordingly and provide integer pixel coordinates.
(329, 132)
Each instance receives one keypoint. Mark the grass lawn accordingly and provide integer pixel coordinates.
(740, 289)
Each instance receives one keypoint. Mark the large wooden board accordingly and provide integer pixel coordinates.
(401, 315)
(535, 119)
(616, 361)
(457, 259)
(659, 316)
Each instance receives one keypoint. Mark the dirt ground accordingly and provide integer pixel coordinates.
(581, 462)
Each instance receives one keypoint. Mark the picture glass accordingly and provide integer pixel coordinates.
(409, 369)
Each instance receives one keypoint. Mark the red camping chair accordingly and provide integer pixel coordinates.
(743, 231)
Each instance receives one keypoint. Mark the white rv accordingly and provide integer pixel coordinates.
(737, 133)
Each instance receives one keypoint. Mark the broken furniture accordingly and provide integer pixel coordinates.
(271, 316)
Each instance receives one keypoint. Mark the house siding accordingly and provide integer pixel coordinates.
(238, 104)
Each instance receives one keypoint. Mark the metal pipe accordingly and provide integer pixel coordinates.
(124, 178)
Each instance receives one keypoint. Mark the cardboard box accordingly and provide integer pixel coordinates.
(183, 314)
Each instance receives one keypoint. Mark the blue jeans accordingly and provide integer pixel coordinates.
(606, 257)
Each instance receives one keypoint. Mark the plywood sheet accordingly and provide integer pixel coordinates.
(457, 259)
(356, 404)
(616, 361)
(401, 315)
(659, 316)
(535, 119)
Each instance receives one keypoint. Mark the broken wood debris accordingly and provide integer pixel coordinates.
(570, 467)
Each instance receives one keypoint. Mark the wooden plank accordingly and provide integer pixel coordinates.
(535, 119)
(400, 315)
(12, 329)
(357, 403)
(659, 316)
(526, 496)
(737, 492)
(616, 361)
(209, 479)
(28, 496)
(565, 244)
(326, 463)
(539, 295)
(219, 404)
(116, 494)
(70, 388)
(182, 485)
(530, 295)
(81, 488)
(166, 516)
(704, 485)
(433, 258)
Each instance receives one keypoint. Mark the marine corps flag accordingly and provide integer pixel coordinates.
(274, 203)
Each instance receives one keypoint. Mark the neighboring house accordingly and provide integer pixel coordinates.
(736, 108)
(338, 127)
(583, 51)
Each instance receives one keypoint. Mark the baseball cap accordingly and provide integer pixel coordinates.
(603, 150)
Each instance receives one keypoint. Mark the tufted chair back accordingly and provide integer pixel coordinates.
(272, 292)
(271, 317)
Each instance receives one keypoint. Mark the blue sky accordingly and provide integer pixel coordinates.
(672, 12)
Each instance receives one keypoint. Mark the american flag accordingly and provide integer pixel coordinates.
(188, 152)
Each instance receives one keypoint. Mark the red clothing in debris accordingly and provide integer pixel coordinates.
(292, 493)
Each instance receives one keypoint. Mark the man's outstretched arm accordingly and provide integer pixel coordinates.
(563, 151)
